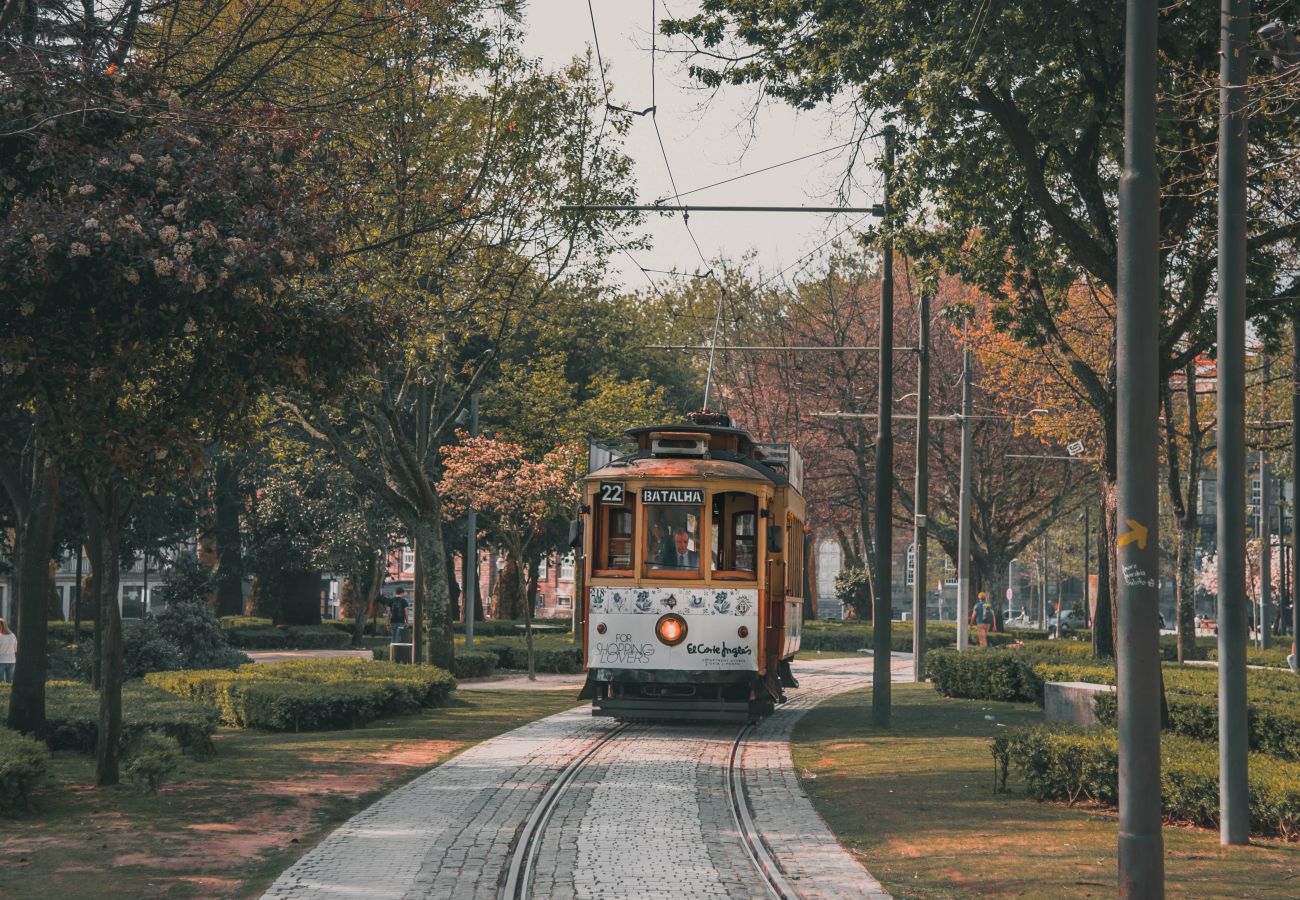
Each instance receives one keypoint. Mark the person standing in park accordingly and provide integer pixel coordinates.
(397, 613)
(982, 617)
(8, 652)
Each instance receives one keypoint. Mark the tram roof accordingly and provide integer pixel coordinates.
(647, 466)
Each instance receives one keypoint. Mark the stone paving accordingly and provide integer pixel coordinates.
(647, 817)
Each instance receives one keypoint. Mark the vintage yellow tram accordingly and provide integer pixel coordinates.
(693, 568)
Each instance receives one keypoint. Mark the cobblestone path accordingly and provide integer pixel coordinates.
(647, 817)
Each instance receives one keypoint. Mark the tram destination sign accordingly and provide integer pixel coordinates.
(673, 496)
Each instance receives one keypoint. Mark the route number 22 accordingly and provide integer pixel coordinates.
(611, 492)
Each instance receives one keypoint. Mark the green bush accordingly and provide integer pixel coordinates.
(244, 621)
(298, 637)
(515, 627)
(62, 631)
(152, 760)
(562, 660)
(311, 694)
(23, 764)
(985, 675)
(186, 634)
(473, 663)
(72, 717)
(1272, 722)
(846, 637)
(1061, 763)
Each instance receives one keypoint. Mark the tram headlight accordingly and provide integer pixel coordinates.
(671, 629)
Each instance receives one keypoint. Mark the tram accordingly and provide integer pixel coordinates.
(692, 574)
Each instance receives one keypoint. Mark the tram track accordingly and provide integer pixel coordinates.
(523, 859)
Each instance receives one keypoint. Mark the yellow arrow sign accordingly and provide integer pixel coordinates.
(1138, 533)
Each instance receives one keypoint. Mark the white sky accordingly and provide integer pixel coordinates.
(706, 142)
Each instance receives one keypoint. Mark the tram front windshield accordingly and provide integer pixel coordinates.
(672, 540)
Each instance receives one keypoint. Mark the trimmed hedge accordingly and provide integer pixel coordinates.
(311, 694)
(244, 621)
(565, 661)
(23, 764)
(1013, 674)
(1272, 721)
(300, 637)
(515, 627)
(474, 663)
(846, 637)
(1061, 763)
(72, 717)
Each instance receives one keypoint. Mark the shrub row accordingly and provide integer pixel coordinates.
(1015, 675)
(244, 621)
(842, 637)
(23, 763)
(298, 637)
(311, 694)
(72, 717)
(563, 660)
(474, 663)
(504, 627)
(1273, 726)
(1060, 763)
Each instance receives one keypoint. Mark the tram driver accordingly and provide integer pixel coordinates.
(678, 554)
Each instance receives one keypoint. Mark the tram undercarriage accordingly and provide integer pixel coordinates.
(684, 696)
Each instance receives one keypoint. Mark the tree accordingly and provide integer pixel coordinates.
(147, 294)
(515, 496)
(1011, 152)
(463, 150)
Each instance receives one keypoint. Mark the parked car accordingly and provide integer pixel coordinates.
(1070, 620)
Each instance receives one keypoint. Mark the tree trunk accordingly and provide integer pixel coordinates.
(431, 564)
(510, 590)
(531, 585)
(1185, 587)
(230, 558)
(516, 555)
(106, 508)
(33, 547)
(1103, 631)
(453, 586)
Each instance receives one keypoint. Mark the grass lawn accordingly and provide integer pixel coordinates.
(230, 825)
(916, 806)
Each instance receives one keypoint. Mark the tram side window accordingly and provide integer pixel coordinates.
(614, 538)
(735, 534)
(673, 539)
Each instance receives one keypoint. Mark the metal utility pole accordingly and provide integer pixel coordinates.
(1263, 620)
(922, 504)
(1295, 481)
(882, 613)
(963, 508)
(1141, 843)
(469, 574)
(1234, 62)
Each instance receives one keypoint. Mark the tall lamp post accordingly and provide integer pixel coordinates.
(1141, 843)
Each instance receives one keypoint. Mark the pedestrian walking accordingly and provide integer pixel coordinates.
(397, 614)
(982, 617)
(8, 652)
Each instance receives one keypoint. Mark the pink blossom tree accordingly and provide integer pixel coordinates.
(513, 496)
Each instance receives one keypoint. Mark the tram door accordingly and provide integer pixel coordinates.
(775, 634)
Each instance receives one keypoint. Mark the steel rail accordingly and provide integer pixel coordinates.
(764, 863)
(523, 857)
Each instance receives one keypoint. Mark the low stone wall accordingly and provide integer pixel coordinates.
(1071, 701)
